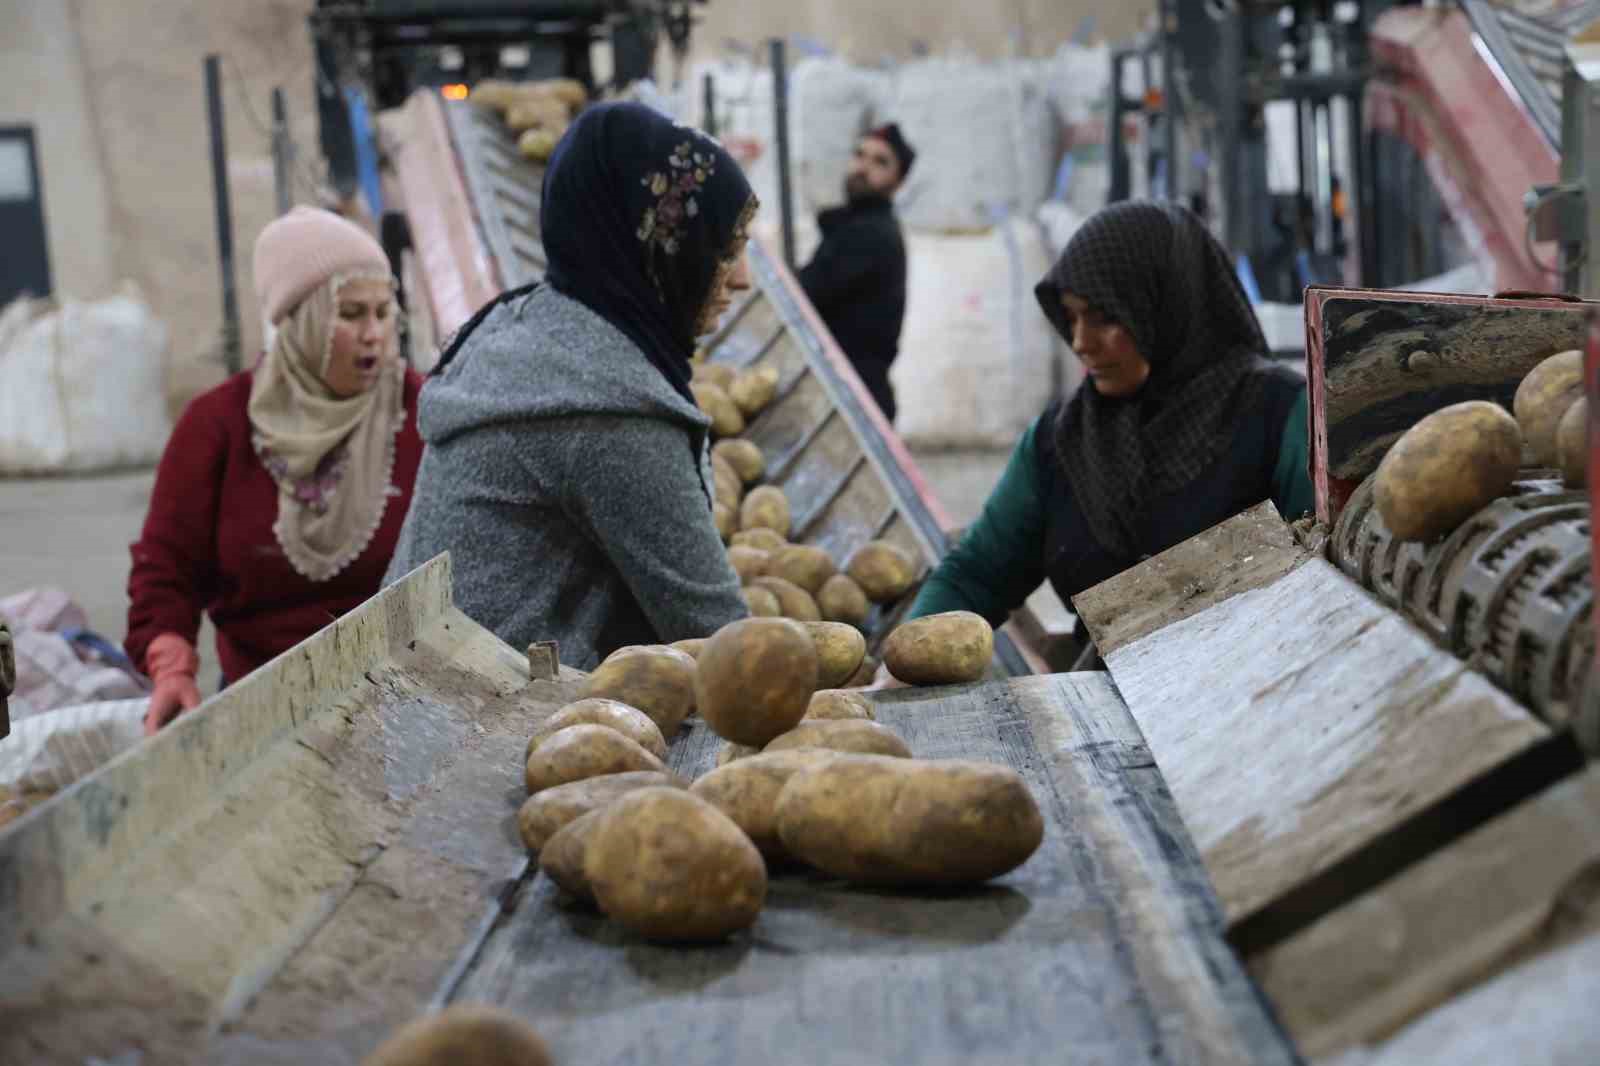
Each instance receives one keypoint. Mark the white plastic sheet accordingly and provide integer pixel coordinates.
(50, 751)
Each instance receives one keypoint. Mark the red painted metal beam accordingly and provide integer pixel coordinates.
(1443, 95)
(459, 276)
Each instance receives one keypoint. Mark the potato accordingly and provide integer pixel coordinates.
(543, 814)
(561, 858)
(884, 821)
(494, 93)
(747, 792)
(726, 421)
(940, 649)
(767, 540)
(837, 704)
(690, 647)
(676, 654)
(763, 603)
(841, 600)
(753, 390)
(613, 714)
(1543, 397)
(538, 113)
(464, 1034)
(840, 649)
(842, 734)
(580, 752)
(727, 520)
(569, 91)
(539, 144)
(802, 565)
(667, 865)
(717, 374)
(883, 571)
(1572, 444)
(793, 600)
(730, 752)
(745, 458)
(865, 675)
(748, 563)
(756, 678)
(1445, 468)
(765, 507)
(727, 489)
(658, 681)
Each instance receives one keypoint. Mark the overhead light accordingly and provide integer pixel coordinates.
(453, 92)
(450, 58)
(515, 56)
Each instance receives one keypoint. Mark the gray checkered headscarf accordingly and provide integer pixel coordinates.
(1156, 271)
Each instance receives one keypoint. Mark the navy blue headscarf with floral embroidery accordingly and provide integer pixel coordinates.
(641, 216)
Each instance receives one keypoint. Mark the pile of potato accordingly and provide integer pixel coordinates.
(780, 579)
(539, 112)
(807, 777)
(1461, 458)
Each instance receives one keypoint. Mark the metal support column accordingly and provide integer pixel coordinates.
(282, 153)
(780, 104)
(224, 214)
(711, 105)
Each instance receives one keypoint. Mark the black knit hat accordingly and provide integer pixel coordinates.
(890, 134)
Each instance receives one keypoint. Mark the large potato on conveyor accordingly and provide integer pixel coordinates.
(537, 113)
(765, 508)
(580, 752)
(748, 563)
(940, 649)
(794, 601)
(1572, 444)
(727, 520)
(1445, 468)
(802, 565)
(729, 490)
(747, 791)
(731, 752)
(755, 679)
(462, 1035)
(658, 681)
(851, 735)
(543, 814)
(885, 821)
(1541, 400)
(753, 390)
(613, 714)
(841, 600)
(883, 571)
(840, 649)
(690, 647)
(744, 457)
(767, 540)
(670, 866)
(539, 144)
(838, 704)
(717, 374)
(726, 421)
(561, 858)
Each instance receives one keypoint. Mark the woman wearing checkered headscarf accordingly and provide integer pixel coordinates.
(1180, 423)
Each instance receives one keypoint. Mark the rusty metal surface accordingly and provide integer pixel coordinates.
(1510, 590)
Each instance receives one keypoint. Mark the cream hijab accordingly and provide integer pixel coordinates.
(331, 457)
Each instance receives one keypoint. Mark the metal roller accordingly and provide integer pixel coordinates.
(1509, 591)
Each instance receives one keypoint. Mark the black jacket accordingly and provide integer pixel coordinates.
(857, 282)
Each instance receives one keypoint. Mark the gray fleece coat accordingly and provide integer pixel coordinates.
(559, 474)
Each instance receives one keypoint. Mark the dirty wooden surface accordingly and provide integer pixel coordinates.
(1298, 722)
(289, 867)
(1104, 948)
(1248, 551)
(1519, 886)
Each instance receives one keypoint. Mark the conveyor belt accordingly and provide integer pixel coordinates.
(1531, 53)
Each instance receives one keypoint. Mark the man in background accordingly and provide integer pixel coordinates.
(857, 279)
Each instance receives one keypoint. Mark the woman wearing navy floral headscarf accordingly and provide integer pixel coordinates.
(566, 466)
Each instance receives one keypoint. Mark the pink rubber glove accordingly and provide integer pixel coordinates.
(172, 664)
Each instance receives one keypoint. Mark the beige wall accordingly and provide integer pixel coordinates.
(868, 30)
(117, 93)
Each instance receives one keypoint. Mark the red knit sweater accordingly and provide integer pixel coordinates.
(208, 544)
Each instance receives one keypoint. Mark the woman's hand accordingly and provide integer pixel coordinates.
(172, 664)
(883, 679)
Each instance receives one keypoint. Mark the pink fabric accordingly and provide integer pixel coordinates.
(169, 656)
(305, 248)
(172, 662)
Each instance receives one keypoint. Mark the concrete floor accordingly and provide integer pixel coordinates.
(74, 532)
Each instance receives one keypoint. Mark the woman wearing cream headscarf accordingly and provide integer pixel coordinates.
(281, 492)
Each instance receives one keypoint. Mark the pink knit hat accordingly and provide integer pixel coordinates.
(304, 249)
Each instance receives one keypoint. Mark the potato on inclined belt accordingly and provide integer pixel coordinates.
(838, 704)
(803, 566)
(544, 813)
(883, 571)
(753, 390)
(669, 866)
(794, 601)
(613, 714)
(1543, 397)
(850, 735)
(463, 1034)
(579, 752)
(561, 858)
(908, 822)
(755, 679)
(759, 537)
(744, 457)
(840, 649)
(658, 681)
(766, 507)
(1447, 467)
(747, 792)
(841, 600)
(940, 649)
